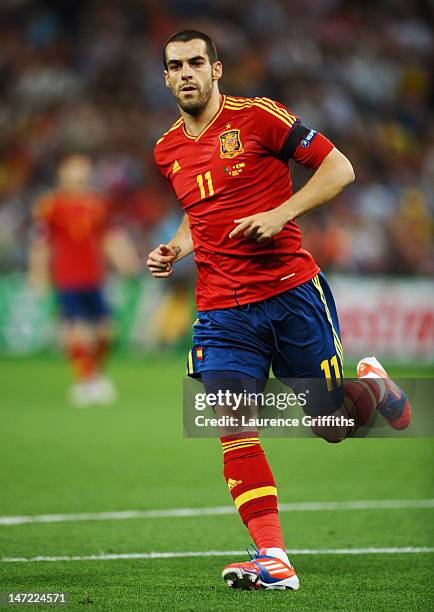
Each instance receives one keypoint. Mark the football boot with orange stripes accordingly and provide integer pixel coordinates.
(394, 405)
(261, 572)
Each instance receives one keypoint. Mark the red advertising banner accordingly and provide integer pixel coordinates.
(393, 318)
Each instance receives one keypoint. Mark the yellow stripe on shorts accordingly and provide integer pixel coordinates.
(190, 369)
(336, 339)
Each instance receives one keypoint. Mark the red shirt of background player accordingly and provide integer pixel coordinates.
(74, 225)
(236, 167)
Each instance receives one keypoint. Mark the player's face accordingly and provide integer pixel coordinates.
(75, 172)
(190, 75)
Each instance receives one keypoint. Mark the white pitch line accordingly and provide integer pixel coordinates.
(221, 553)
(384, 504)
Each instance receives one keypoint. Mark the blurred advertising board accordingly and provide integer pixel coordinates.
(392, 318)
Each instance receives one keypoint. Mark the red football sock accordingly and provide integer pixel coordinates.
(361, 399)
(101, 351)
(252, 486)
(82, 359)
(266, 531)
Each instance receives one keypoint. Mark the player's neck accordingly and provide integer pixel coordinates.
(194, 125)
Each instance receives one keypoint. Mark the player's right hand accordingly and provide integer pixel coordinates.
(160, 261)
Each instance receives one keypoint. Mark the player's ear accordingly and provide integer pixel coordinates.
(217, 71)
(166, 78)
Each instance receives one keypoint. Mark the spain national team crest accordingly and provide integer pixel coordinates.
(230, 144)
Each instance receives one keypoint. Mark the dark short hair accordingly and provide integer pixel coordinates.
(186, 36)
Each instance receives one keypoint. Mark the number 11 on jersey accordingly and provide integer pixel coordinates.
(200, 182)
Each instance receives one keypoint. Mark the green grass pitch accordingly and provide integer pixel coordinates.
(132, 456)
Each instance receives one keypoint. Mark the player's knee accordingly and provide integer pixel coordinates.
(332, 435)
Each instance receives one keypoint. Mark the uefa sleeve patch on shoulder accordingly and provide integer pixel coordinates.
(306, 141)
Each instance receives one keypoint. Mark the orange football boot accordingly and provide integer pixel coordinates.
(394, 406)
(261, 572)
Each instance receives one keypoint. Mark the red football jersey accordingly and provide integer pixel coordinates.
(74, 224)
(238, 166)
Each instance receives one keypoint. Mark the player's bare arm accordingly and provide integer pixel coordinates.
(160, 260)
(39, 265)
(334, 174)
(121, 252)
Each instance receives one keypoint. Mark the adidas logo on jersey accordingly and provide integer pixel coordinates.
(176, 166)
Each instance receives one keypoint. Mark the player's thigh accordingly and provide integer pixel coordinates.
(307, 331)
(235, 383)
(309, 344)
(226, 340)
(238, 399)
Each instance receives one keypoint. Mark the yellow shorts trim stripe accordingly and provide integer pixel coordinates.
(254, 494)
(190, 369)
(336, 339)
(317, 284)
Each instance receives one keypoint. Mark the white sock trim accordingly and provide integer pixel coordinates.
(279, 553)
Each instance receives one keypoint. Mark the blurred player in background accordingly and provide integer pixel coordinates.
(261, 298)
(71, 241)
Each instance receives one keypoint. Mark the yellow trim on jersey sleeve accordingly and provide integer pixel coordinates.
(174, 127)
(265, 104)
(279, 109)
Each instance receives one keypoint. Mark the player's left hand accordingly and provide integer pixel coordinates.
(260, 227)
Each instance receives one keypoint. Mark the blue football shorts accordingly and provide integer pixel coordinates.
(83, 304)
(295, 333)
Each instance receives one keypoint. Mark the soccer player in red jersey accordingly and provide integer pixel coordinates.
(71, 240)
(262, 300)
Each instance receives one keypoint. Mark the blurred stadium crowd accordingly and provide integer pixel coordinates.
(87, 75)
